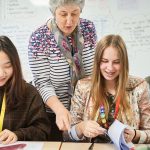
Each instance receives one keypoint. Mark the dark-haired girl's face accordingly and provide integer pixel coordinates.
(6, 69)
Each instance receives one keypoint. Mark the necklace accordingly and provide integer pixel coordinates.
(2, 112)
(103, 115)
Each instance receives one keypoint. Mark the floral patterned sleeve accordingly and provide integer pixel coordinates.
(144, 107)
(77, 105)
(79, 102)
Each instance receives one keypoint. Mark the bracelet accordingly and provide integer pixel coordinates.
(134, 134)
(73, 134)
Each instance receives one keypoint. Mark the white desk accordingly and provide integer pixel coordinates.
(65, 146)
(51, 146)
(75, 146)
(85, 146)
(103, 147)
(24, 145)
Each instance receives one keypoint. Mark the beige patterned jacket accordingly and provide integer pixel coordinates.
(139, 96)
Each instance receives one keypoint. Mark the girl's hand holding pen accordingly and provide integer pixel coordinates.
(91, 129)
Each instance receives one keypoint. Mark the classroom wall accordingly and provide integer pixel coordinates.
(129, 18)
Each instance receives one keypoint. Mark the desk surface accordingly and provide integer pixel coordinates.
(104, 147)
(85, 146)
(75, 146)
(28, 145)
(51, 146)
(64, 146)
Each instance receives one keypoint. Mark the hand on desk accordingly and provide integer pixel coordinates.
(8, 137)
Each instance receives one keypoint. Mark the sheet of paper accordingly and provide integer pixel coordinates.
(116, 133)
(23, 146)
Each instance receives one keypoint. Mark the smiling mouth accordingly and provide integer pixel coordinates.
(2, 79)
(109, 73)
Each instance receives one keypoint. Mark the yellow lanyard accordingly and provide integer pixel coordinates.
(2, 112)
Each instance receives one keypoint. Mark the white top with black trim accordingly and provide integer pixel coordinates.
(49, 67)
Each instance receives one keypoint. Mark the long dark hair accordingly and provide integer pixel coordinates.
(15, 86)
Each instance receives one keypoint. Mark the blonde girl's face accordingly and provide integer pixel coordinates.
(110, 64)
(6, 69)
(67, 18)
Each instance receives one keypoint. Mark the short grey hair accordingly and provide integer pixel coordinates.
(53, 4)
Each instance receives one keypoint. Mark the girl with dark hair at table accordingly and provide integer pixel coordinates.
(23, 116)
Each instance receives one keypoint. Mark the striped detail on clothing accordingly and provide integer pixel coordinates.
(50, 68)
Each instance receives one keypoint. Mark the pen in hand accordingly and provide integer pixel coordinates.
(91, 146)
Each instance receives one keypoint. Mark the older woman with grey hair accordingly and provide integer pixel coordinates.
(60, 53)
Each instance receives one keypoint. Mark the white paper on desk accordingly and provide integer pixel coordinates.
(116, 133)
(23, 146)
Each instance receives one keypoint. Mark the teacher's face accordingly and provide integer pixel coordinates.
(6, 69)
(67, 18)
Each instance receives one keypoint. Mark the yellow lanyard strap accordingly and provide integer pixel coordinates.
(2, 112)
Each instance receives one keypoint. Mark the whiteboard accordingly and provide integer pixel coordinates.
(129, 18)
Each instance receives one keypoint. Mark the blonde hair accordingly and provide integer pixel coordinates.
(98, 86)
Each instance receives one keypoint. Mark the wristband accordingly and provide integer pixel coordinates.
(73, 134)
(134, 134)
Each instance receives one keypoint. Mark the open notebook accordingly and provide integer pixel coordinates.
(115, 132)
